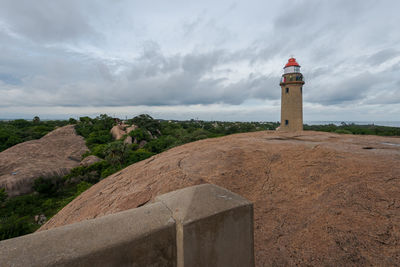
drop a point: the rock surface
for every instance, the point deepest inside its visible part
(89, 160)
(320, 199)
(54, 154)
(118, 131)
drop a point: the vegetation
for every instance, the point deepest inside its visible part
(17, 214)
(356, 129)
(18, 131)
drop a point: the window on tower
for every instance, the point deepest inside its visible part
(286, 122)
(287, 90)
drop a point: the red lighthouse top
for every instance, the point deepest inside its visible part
(292, 62)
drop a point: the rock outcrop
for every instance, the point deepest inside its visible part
(320, 199)
(89, 160)
(54, 154)
(118, 131)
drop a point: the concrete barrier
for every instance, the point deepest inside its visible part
(203, 225)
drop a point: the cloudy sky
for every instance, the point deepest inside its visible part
(212, 60)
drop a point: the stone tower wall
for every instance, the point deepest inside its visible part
(292, 106)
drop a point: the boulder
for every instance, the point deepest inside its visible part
(118, 131)
(52, 155)
(40, 219)
(131, 128)
(89, 160)
(142, 143)
(128, 140)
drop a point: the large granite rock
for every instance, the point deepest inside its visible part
(320, 199)
(54, 154)
(118, 131)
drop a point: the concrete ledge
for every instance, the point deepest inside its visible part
(203, 225)
(139, 237)
(214, 226)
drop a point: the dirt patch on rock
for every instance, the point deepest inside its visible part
(319, 198)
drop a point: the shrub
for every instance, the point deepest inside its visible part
(110, 170)
(343, 131)
(140, 134)
(3, 195)
(81, 187)
(138, 155)
(161, 144)
(44, 186)
(14, 226)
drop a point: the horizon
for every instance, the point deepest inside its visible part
(307, 122)
(211, 60)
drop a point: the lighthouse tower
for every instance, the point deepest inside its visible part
(292, 97)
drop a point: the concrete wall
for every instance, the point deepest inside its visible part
(292, 106)
(203, 225)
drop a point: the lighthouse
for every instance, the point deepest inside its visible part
(292, 97)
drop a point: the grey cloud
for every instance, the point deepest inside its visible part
(47, 20)
(80, 53)
(152, 79)
(356, 89)
(382, 56)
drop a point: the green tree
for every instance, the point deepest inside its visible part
(116, 152)
(147, 122)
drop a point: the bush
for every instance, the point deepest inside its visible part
(140, 134)
(81, 187)
(98, 137)
(138, 155)
(100, 150)
(44, 186)
(161, 144)
(3, 195)
(14, 132)
(343, 131)
(14, 226)
(199, 134)
(110, 170)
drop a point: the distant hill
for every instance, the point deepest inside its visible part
(54, 154)
(319, 198)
